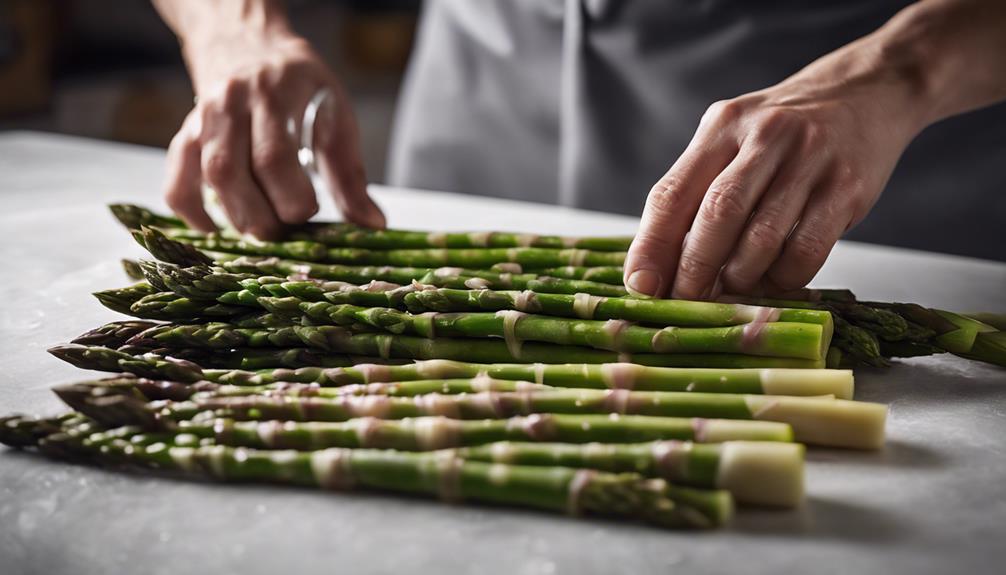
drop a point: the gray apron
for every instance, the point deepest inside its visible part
(585, 103)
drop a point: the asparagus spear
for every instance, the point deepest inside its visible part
(443, 474)
(211, 282)
(584, 306)
(208, 283)
(838, 383)
(349, 235)
(152, 389)
(830, 422)
(754, 472)
(437, 432)
(804, 341)
(216, 336)
(604, 274)
(530, 258)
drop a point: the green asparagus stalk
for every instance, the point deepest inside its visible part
(754, 472)
(604, 274)
(530, 258)
(819, 421)
(211, 284)
(349, 235)
(151, 389)
(803, 341)
(800, 382)
(217, 336)
(445, 475)
(584, 306)
(432, 433)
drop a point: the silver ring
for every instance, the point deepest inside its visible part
(305, 154)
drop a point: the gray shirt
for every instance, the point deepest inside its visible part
(586, 103)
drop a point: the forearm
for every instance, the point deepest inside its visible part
(202, 24)
(952, 51)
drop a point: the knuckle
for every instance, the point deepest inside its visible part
(738, 277)
(272, 155)
(666, 195)
(764, 236)
(723, 202)
(724, 111)
(652, 242)
(809, 248)
(219, 168)
(691, 266)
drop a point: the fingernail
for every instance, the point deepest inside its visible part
(643, 283)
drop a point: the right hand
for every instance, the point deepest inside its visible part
(250, 86)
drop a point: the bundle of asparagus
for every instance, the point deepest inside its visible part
(524, 376)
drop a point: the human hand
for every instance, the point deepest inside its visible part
(772, 179)
(242, 137)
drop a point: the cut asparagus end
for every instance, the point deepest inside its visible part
(720, 430)
(807, 382)
(832, 422)
(762, 473)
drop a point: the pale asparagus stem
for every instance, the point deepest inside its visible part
(806, 382)
(349, 235)
(819, 421)
(442, 474)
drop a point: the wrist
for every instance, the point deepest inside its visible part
(905, 51)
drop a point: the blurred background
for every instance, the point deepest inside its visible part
(111, 69)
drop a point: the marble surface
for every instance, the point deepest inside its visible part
(933, 501)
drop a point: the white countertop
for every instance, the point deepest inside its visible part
(934, 501)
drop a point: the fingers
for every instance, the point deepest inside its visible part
(339, 162)
(275, 166)
(226, 166)
(182, 185)
(823, 222)
(762, 240)
(724, 211)
(670, 207)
